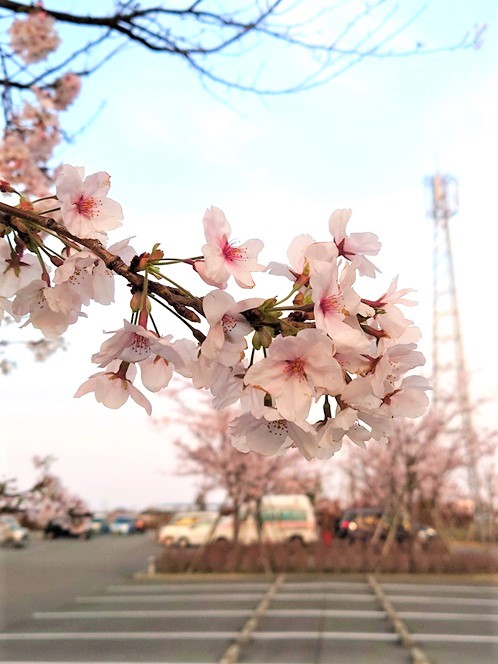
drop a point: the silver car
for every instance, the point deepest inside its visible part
(12, 533)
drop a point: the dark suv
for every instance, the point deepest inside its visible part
(363, 523)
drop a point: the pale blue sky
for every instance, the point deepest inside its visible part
(277, 167)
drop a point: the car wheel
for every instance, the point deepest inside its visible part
(183, 543)
(167, 541)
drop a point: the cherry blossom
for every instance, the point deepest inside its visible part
(271, 434)
(326, 365)
(155, 373)
(225, 340)
(392, 365)
(297, 370)
(409, 400)
(356, 246)
(336, 305)
(112, 388)
(86, 210)
(134, 343)
(61, 94)
(224, 258)
(298, 265)
(51, 310)
(16, 270)
(34, 37)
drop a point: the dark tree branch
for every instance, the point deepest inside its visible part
(203, 34)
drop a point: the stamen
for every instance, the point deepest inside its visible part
(295, 367)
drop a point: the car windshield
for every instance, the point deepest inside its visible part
(123, 519)
(190, 520)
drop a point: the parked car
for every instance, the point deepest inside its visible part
(284, 518)
(12, 533)
(75, 525)
(188, 528)
(140, 526)
(123, 525)
(100, 526)
(363, 523)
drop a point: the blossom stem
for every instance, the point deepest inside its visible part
(142, 320)
(45, 276)
(43, 229)
(174, 283)
(286, 297)
(170, 261)
(51, 210)
(196, 333)
(44, 198)
(154, 325)
(50, 252)
(326, 408)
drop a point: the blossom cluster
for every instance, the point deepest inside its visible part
(34, 37)
(317, 366)
(32, 130)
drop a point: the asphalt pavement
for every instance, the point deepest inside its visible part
(78, 601)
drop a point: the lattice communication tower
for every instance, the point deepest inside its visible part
(449, 372)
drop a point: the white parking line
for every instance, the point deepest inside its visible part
(454, 638)
(110, 599)
(261, 636)
(169, 636)
(110, 636)
(441, 587)
(195, 587)
(357, 597)
(192, 613)
(187, 587)
(458, 601)
(319, 635)
(422, 615)
(238, 597)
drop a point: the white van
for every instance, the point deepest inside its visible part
(284, 518)
(287, 518)
(188, 528)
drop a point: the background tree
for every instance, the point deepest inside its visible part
(205, 450)
(418, 473)
(46, 500)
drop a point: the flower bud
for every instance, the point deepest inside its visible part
(266, 336)
(136, 301)
(55, 260)
(256, 340)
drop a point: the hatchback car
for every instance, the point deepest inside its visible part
(123, 525)
(363, 523)
(12, 533)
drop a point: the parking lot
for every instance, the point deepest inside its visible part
(303, 619)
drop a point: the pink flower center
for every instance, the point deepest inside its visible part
(141, 346)
(232, 253)
(228, 323)
(295, 367)
(278, 428)
(86, 206)
(331, 304)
